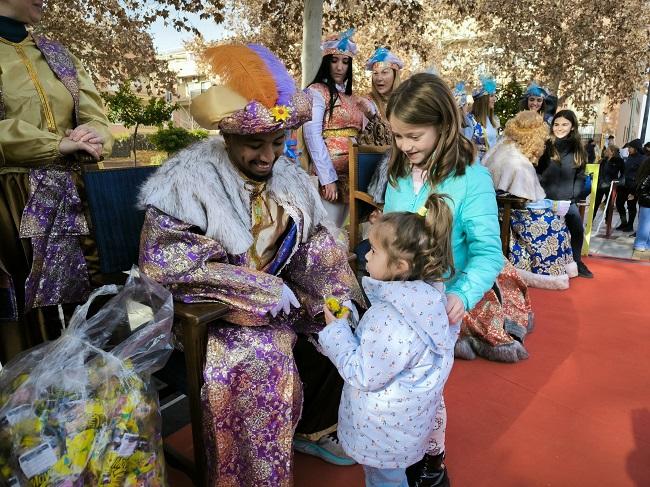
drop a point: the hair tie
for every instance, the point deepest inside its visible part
(422, 211)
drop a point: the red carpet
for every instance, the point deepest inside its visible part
(576, 413)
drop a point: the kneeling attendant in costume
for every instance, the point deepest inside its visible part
(540, 248)
(397, 361)
(230, 219)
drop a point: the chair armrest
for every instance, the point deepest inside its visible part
(199, 313)
(194, 319)
(366, 198)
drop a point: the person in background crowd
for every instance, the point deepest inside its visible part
(646, 149)
(642, 240)
(535, 99)
(385, 67)
(485, 125)
(612, 169)
(590, 148)
(51, 120)
(562, 175)
(336, 116)
(608, 140)
(460, 95)
(626, 194)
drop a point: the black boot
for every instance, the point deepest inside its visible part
(428, 472)
(622, 225)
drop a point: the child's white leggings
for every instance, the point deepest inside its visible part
(437, 440)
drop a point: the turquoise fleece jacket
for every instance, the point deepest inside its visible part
(475, 234)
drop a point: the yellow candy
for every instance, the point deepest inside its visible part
(335, 307)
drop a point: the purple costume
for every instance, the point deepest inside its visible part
(201, 239)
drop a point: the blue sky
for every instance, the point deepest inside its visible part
(167, 39)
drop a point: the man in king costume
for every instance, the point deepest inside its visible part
(230, 219)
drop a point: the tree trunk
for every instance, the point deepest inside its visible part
(312, 25)
(135, 141)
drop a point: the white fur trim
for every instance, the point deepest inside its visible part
(572, 269)
(512, 172)
(544, 281)
(200, 186)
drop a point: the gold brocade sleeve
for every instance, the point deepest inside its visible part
(91, 107)
(24, 133)
(22, 142)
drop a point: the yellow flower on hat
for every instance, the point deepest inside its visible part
(280, 112)
(422, 211)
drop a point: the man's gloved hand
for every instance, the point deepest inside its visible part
(287, 300)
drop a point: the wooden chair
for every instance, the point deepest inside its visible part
(506, 204)
(117, 223)
(362, 165)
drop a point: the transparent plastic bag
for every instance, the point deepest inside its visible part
(81, 410)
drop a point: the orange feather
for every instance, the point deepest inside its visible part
(242, 70)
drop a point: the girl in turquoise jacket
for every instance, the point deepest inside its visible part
(431, 154)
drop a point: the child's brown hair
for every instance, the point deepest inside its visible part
(425, 99)
(424, 242)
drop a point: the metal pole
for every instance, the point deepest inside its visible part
(644, 126)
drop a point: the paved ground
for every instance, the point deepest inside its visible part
(618, 245)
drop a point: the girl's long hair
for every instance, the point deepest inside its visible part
(574, 141)
(424, 242)
(425, 99)
(382, 100)
(323, 76)
(482, 111)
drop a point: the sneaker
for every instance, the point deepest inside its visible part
(583, 271)
(328, 448)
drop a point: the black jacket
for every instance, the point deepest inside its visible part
(611, 169)
(643, 189)
(632, 165)
(563, 181)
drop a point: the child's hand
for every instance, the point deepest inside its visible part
(329, 316)
(334, 311)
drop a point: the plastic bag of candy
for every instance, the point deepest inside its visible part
(81, 410)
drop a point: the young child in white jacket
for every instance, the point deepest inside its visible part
(396, 363)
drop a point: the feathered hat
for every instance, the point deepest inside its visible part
(460, 94)
(256, 95)
(341, 44)
(385, 59)
(535, 90)
(488, 86)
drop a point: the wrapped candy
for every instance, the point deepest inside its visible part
(81, 411)
(336, 307)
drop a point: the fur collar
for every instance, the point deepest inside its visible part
(200, 186)
(512, 172)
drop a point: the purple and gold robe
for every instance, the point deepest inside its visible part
(252, 394)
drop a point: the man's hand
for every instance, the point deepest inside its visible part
(329, 192)
(329, 316)
(455, 309)
(287, 300)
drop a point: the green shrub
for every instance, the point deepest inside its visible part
(172, 139)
